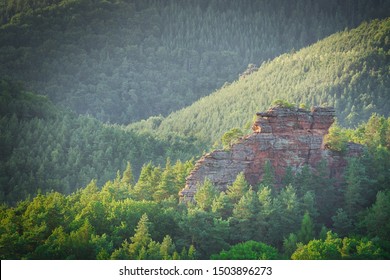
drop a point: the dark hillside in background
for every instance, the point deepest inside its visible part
(348, 70)
(122, 61)
(81, 179)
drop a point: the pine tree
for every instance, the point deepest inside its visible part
(192, 253)
(89, 193)
(342, 223)
(304, 181)
(167, 248)
(250, 250)
(222, 206)
(144, 188)
(306, 233)
(285, 215)
(309, 204)
(237, 189)
(127, 177)
(153, 252)
(167, 185)
(206, 232)
(269, 176)
(205, 195)
(265, 199)
(288, 178)
(290, 244)
(356, 180)
(326, 194)
(247, 223)
(141, 238)
(378, 216)
(81, 248)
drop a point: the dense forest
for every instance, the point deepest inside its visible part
(310, 217)
(348, 70)
(105, 105)
(126, 60)
(45, 148)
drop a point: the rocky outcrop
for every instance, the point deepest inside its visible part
(284, 137)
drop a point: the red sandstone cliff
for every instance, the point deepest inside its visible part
(284, 137)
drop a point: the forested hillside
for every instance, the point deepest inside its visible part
(310, 217)
(81, 179)
(126, 60)
(348, 70)
(43, 147)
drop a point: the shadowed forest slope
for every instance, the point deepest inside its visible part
(348, 70)
(125, 60)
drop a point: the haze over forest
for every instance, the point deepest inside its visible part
(105, 106)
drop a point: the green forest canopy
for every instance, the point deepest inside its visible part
(49, 148)
(43, 147)
(348, 70)
(311, 217)
(126, 60)
(119, 61)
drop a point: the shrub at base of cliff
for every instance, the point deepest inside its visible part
(250, 250)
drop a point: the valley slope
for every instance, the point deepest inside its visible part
(126, 60)
(348, 70)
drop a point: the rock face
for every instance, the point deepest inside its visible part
(284, 137)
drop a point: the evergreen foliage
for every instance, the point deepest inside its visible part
(57, 150)
(127, 60)
(249, 250)
(231, 137)
(335, 248)
(72, 187)
(348, 70)
(121, 221)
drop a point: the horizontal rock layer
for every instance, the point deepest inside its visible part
(284, 137)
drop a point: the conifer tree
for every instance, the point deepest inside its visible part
(205, 195)
(222, 206)
(167, 248)
(153, 252)
(141, 238)
(269, 176)
(290, 244)
(342, 223)
(167, 185)
(288, 178)
(127, 177)
(326, 194)
(378, 216)
(144, 187)
(356, 180)
(265, 199)
(309, 204)
(237, 189)
(81, 248)
(306, 233)
(192, 253)
(205, 232)
(247, 223)
(304, 181)
(285, 215)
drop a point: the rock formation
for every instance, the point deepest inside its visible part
(284, 137)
